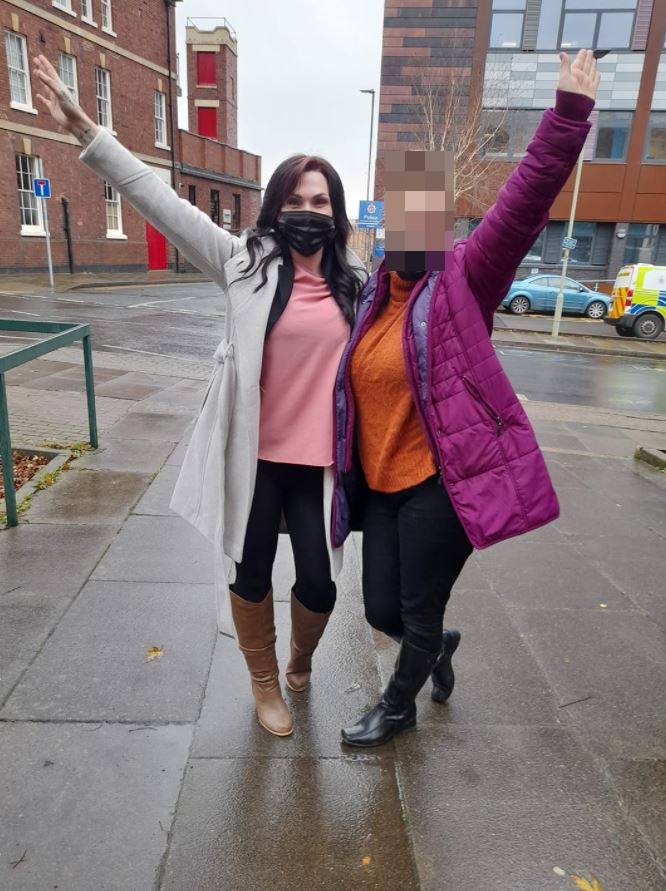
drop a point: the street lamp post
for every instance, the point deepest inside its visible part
(559, 303)
(372, 124)
(369, 239)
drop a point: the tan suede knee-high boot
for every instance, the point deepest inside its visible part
(306, 631)
(255, 628)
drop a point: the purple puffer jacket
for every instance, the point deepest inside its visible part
(481, 438)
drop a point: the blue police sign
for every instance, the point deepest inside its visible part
(370, 214)
(379, 250)
(42, 187)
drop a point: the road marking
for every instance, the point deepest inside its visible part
(159, 302)
(522, 397)
(22, 312)
(149, 353)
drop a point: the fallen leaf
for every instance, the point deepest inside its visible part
(559, 871)
(585, 885)
(366, 861)
(603, 605)
(154, 653)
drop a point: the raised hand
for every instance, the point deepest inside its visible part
(56, 99)
(581, 75)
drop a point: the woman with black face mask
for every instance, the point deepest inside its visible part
(263, 445)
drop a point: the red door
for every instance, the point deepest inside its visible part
(157, 248)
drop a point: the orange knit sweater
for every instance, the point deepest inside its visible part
(393, 449)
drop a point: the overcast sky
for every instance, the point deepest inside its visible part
(301, 64)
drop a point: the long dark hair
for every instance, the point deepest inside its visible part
(344, 283)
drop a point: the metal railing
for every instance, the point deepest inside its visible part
(62, 334)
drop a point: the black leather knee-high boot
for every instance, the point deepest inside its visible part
(443, 677)
(396, 710)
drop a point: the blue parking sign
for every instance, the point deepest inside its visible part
(42, 187)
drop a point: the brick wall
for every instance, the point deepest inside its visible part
(136, 60)
(423, 39)
(221, 45)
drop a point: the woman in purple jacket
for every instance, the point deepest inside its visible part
(444, 444)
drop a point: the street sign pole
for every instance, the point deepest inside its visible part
(45, 211)
(559, 303)
(41, 187)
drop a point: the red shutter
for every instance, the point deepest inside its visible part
(207, 122)
(206, 68)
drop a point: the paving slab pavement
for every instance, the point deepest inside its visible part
(161, 777)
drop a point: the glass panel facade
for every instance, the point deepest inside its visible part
(507, 30)
(656, 139)
(584, 234)
(507, 134)
(615, 30)
(535, 253)
(578, 30)
(613, 135)
(640, 243)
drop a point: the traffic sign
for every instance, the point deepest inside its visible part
(42, 187)
(569, 243)
(370, 214)
(379, 249)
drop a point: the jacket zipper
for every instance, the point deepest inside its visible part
(349, 396)
(346, 382)
(478, 395)
(420, 401)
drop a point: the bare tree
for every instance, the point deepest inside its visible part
(455, 117)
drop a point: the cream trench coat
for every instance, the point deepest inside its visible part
(216, 484)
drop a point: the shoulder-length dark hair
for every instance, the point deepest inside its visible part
(345, 284)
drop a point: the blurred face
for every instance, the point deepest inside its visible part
(418, 210)
(311, 194)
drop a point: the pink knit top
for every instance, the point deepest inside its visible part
(300, 362)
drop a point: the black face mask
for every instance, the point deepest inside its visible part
(410, 276)
(306, 231)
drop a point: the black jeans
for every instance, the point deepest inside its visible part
(414, 548)
(298, 491)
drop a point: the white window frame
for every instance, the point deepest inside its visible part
(103, 79)
(64, 6)
(106, 14)
(73, 87)
(87, 12)
(23, 71)
(34, 172)
(112, 205)
(160, 120)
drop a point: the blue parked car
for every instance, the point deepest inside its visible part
(539, 293)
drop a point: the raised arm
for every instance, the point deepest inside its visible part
(498, 245)
(206, 245)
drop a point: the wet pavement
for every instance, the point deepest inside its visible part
(121, 772)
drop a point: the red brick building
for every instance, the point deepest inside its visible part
(119, 58)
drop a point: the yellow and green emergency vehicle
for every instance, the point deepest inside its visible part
(638, 301)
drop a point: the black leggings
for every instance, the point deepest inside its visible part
(414, 548)
(298, 491)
